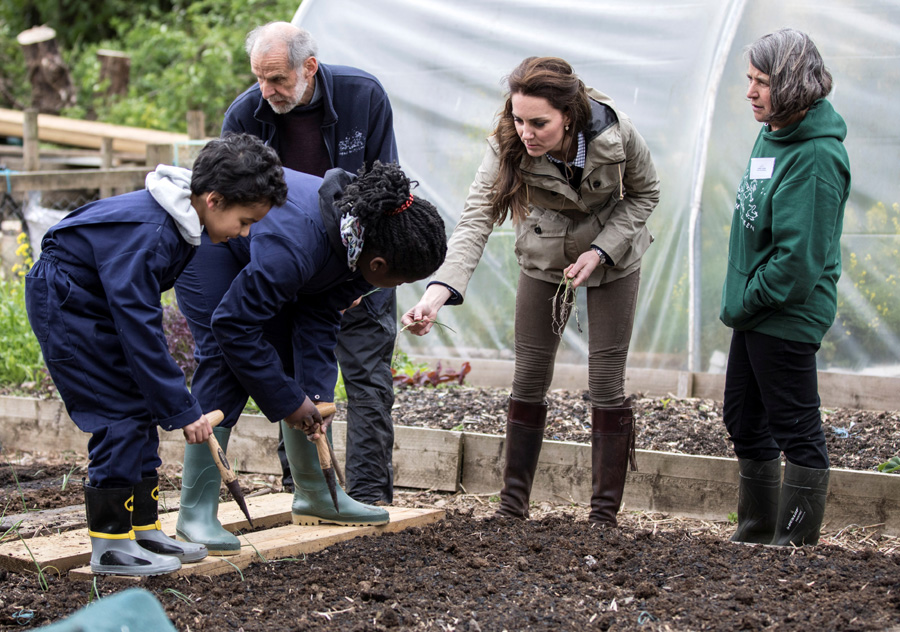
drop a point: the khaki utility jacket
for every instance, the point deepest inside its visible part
(619, 189)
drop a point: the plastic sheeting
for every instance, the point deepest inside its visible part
(677, 69)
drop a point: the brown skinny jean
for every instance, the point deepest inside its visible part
(610, 308)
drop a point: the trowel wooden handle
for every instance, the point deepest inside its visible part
(326, 408)
(215, 417)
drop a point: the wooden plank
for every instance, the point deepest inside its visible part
(65, 179)
(425, 458)
(79, 133)
(293, 541)
(709, 386)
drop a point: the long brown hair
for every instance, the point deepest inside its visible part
(553, 79)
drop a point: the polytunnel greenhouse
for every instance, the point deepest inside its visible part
(678, 70)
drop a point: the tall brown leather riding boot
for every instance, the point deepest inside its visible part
(524, 435)
(612, 446)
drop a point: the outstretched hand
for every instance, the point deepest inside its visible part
(421, 318)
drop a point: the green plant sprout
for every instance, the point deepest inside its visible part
(19, 488)
(42, 578)
(235, 566)
(425, 320)
(179, 595)
(732, 518)
(67, 476)
(94, 592)
(255, 550)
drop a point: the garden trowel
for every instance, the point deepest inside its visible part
(228, 476)
(327, 460)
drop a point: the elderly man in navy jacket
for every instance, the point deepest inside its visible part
(319, 116)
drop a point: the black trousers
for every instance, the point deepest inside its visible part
(364, 351)
(772, 400)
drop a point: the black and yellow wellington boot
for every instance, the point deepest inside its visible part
(198, 519)
(148, 530)
(114, 550)
(312, 501)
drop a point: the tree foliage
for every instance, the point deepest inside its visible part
(184, 54)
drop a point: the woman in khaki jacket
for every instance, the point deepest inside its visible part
(578, 182)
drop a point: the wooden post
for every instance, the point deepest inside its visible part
(196, 124)
(51, 85)
(159, 155)
(116, 67)
(106, 162)
(30, 149)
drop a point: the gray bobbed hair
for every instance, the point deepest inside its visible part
(797, 75)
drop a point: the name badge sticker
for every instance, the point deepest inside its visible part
(761, 168)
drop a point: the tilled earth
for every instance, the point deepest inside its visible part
(555, 572)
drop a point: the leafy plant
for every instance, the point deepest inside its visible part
(891, 466)
(426, 377)
(21, 360)
(732, 518)
(181, 342)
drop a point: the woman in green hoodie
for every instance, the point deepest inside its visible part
(780, 294)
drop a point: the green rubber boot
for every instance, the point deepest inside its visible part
(312, 501)
(197, 518)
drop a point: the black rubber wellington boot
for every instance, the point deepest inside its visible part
(801, 507)
(114, 550)
(760, 487)
(148, 530)
(525, 424)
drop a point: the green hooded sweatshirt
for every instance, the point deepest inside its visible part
(784, 255)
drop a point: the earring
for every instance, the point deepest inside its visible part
(567, 128)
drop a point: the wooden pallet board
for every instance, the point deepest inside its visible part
(291, 541)
(61, 552)
(70, 551)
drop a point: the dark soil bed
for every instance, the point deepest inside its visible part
(555, 572)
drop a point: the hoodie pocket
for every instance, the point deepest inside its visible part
(733, 311)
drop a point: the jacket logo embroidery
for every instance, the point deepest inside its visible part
(354, 142)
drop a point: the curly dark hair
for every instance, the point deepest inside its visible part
(242, 169)
(411, 240)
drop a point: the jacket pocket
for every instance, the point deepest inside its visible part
(541, 241)
(36, 307)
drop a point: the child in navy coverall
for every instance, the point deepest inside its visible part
(93, 300)
(265, 312)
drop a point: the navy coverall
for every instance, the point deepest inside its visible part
(93, 300)
(265, 310)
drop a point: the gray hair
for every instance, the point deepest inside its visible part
(797, 75)
(300, 44)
